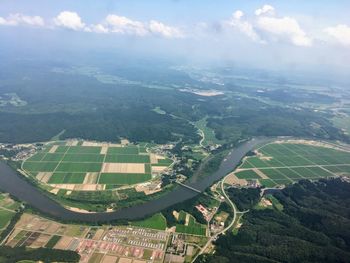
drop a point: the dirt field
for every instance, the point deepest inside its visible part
(72, 143)
(44, 177)
(90, 178)
(110, 259)
(158, 169)
(98, 234)
(123, 168)
(63, 243)
(104, 149)
(233, 180)
(124, 260)
(53, 149)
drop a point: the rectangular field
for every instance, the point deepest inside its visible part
(79, 167)
(83, 158)
(67, 178)
(76, 162)
(127, 158)
(40, 166)
(284, 163)
(115, 178)
(123, 150)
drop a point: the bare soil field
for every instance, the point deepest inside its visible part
(123, 168)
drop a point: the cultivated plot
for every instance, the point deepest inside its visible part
(285, 162)
(75, 164)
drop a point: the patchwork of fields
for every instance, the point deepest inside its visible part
(72, 165)
(286, 162)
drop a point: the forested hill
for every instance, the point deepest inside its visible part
(314, 226)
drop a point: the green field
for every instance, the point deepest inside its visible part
(79, 167)
(122, 179)
(192, 227)
(209, 134)
(70, 164)
(285, 163)
(157, 221)
(67, 178)
(123, 150)
(5, 217)
(127, 158)
(53, 241)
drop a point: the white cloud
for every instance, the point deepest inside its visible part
(265, 10)
(20, 19)
(285, 27)
(238, 15)
(99, 28)
(70, 20)
(161, 29)
(124, 25)
(243, 26)
(341, 33)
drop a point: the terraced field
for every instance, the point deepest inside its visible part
(93, 166)
(286, 162)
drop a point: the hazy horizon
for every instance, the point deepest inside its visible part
(313, 36)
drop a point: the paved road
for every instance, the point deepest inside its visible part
(212, 238)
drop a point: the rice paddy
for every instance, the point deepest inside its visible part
(282, 163)
(92, 163)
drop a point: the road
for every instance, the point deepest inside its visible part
(214, 237)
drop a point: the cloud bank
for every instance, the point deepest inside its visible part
(266, 26)
(20, 19)
(262, 26)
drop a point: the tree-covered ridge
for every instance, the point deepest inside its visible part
(313, 227)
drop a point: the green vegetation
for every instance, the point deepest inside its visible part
(244, 198)
(5, 217)
(127, 158)
(157, 221)
(40, 166)
(286, 163)
(79, 167)
(208, 133)
(53, 241)
(12, 255)
(121, 179)
(81, 158)
(275, 203)
(308, 229)
(123, 150)
(67, 178)
(84, 150)
(192, 227)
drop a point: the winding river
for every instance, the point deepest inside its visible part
(12, 183)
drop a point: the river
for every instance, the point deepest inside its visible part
(12, 183)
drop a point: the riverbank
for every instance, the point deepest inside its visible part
(15, 185)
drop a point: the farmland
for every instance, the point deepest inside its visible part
(8, 209)
(286, 162)
(157, 221)
(187, 225)
(84, 165)
(94, 244)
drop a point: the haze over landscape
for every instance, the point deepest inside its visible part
(174, 131)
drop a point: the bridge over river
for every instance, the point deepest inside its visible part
(20, 188)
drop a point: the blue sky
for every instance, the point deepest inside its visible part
(261, 33)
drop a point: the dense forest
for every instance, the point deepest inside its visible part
(114, 99)
(12, 255)
(312, 227)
